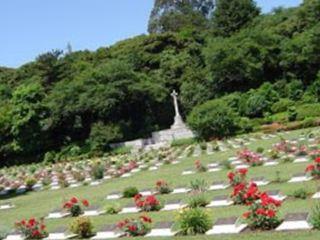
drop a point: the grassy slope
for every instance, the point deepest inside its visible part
(41, 203)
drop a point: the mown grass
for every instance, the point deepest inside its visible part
(39, 204)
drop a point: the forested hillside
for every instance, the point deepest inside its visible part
(235, 69)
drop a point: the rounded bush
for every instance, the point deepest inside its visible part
(194, 221)
(213, 119)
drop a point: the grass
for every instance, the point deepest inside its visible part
(39, 204)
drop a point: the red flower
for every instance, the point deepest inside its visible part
(317, 160)
(23, 222)
(310, 168)
(132, 228)
(85, 202)
(137, 197)
(68, 205)
(260, 211)
(74, 200)
(246, 214)
(146, 219)
(231, 176)
(270, 213)
(32, 222)
(243, 171)
(121, 224)
(42, 227)
(35, 233)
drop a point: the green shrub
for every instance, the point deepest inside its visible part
(30, 182)
(82, 226)
(130, 192)
(292, 114)
(194, 221)
(122, 150)
(198, 185)
(97, 171)
(102, 135)
(300, 193)
(113, 209)
(197, 200)
(282, 105)
(213, 119)
(246, 125)
(260, 150)
(315, 216)
(49, 157)
(182, 142)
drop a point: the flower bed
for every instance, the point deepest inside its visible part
(32, 229)
(314, 169)
(147, 204)
(249, 157)
(135, 227)
(75, 207)
(262, 213)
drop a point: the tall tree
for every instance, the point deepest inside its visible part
(231, 15)
(174, 15)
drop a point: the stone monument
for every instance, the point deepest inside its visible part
(178, 129)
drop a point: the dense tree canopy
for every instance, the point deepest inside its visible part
(254, 65)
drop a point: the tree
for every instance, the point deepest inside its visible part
(232, 15)
(213, 119)
(172, 15)
(50, 67)
(28, 115)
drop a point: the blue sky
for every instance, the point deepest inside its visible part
(31, 27)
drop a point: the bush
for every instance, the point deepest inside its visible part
(49, 157)
(163, 187)
(300, 193)
(113, 209)
(315, 216)
(198, 185)
(197, 200)
(135, 227)
(82, 226)
(194, 221)
(102, 135)
(130, 192)
(246, 125)
(282, 105)
(292, 114)
(260, 150)
(97, 171)
(30, 182)
(182, 142)
(213, 119)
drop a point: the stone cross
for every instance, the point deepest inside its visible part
(174, 95)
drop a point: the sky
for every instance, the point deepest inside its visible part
(32, 27)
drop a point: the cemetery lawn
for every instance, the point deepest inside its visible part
(39, 204)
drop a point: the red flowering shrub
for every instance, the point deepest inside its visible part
(147, 204)
(32, 229)
(243, 192)
(314, 169)
(285, 147)
(237, 177)
(199, 166)
(74, 206)
(252, 158)
(262, 214)
(163, 187)
(135, 227)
